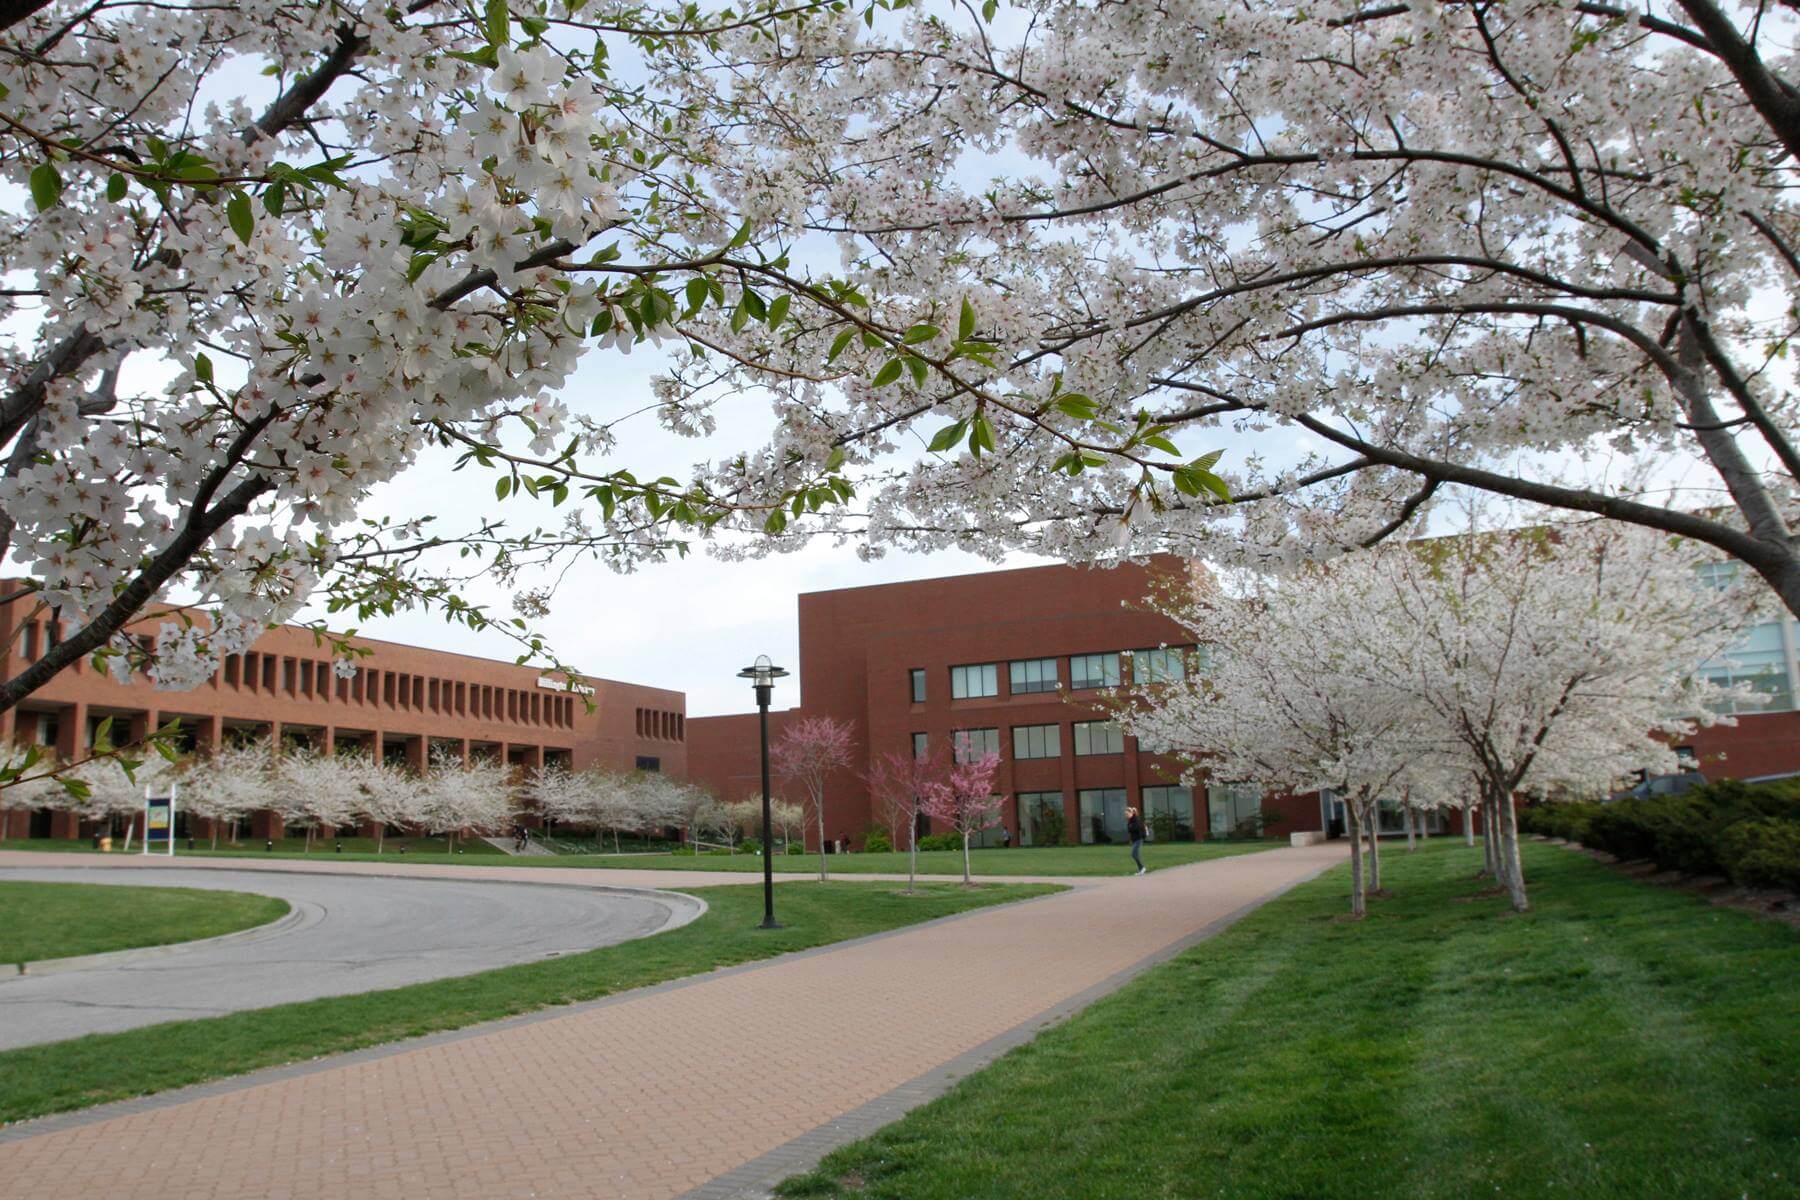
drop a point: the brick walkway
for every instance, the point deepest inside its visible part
(656, 1093)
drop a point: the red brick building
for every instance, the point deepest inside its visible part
(1005, 658)
(409, 702)
(1002, 659)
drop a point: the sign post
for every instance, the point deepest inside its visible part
(159, 822)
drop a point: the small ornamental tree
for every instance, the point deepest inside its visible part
(382, 795)
(318, 789)
(966, 800)
(454, 798)
(808, 752)
(902, 786)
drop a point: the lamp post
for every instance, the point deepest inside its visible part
(763, 674)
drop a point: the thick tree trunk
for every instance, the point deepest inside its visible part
(1468, 815)
(1515, 869)
(1490, 842)
(1358, 901)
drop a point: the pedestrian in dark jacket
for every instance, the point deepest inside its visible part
(1134, 829)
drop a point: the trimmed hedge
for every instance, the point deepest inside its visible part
(941, 841)
(876, 842)
(1749, 832)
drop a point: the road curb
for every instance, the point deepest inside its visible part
(296, 914)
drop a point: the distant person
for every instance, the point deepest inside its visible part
(1005, 838)
(1134, 829)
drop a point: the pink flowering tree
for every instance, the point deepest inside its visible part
(806, 754)
(902, 787)
(966, 800)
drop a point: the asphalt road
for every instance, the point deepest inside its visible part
(346, 934)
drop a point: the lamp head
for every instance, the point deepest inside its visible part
(762, 671)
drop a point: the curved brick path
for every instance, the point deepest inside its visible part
(705, 1087)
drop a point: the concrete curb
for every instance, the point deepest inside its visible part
(297, 916)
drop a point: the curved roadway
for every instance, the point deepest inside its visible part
(345, 934)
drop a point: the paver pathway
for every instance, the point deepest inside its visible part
(656, 1093)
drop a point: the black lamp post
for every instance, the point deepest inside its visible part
(764, 674)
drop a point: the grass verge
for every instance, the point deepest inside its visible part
(61, 920)
(59, 1076)
(1620, 1040)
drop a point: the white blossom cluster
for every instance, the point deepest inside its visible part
(1560, 657)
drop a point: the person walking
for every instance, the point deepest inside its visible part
(1134, 829)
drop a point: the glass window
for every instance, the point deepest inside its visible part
(1033, 675)
(1098, 737)
(31, 642)
(1759, 659)
(1036, 741)
(1094, 670)
(1234, 809)
(968, 683)
(973, 745)
(1041, 819)
(1169, 812)
(920, 745)
(1162, 665)
(1102, 815)
(918, 684)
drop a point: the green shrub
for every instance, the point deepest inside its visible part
(876, 842)
(1762, 852)
(1692, 832)
(1620, 828)
(1560, 819)
(941, 841)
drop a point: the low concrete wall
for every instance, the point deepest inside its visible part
(1307, 837)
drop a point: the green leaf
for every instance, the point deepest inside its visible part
(981, 436)
(918, 369)
(777, 521)
(1159, 442)
(948, 436)
(116, 187)
(46, 186)
(841, 344)
(1207, 462)
(242, 218)
(965, 328)
(888, 373)
(1076, 405)
(920, 333)
(697, 291)
(778, 311)
(498, 23)
(502, 486)
(203, 368)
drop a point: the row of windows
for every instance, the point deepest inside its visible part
(1168, 812)
(1030, 741)
(656, 723)
(975, 681)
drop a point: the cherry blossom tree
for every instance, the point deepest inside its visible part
(1286, 698)
(265, 255)
(227, 785)
(318, 790)
(1384, 247)
(379, 794)
(966, 801)
(453, 798)
(808, 753)
(1554, 657)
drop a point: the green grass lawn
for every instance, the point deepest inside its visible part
(82, 1071)
(59, 920)
(1621, 1040)
(287, 847)
(991, 864)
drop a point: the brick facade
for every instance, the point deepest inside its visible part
(407, 700)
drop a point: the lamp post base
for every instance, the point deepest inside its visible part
(771, 923)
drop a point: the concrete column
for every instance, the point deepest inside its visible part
(328, 741)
